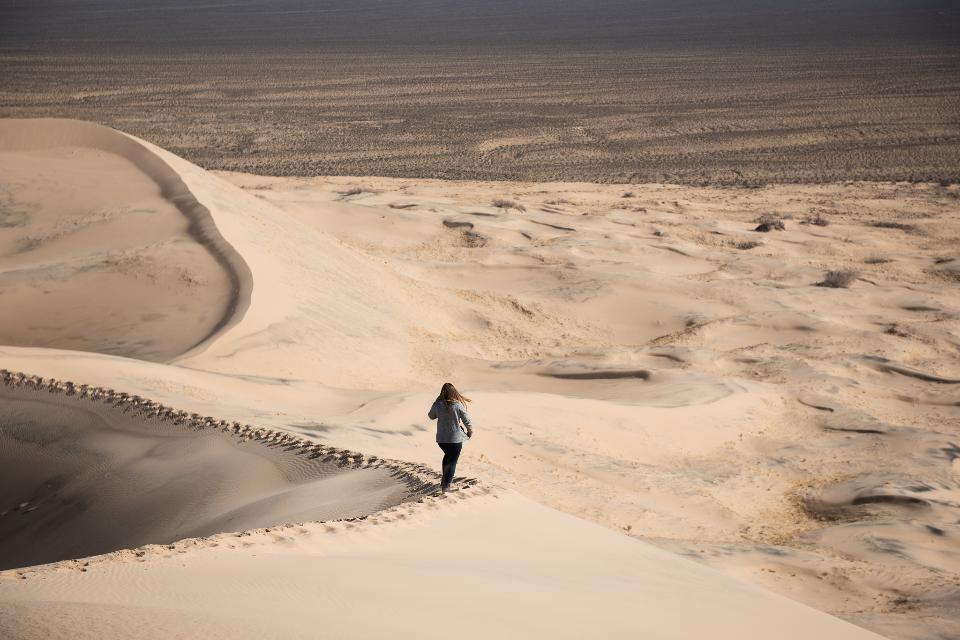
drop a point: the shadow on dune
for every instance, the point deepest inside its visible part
(88, 471)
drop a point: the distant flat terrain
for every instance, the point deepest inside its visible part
(618, 116)
(741, 92)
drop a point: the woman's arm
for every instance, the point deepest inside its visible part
(433, 412)
(465, 418)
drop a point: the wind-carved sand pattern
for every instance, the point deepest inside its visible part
(99, 230)
(88, 470)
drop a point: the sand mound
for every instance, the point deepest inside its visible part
(89, 471)
(97, 231)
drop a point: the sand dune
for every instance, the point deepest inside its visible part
(646, 361)
(100, 233)
(88, 471)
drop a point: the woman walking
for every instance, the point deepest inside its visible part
(449, 410)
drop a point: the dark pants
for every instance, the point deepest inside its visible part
(451, 453)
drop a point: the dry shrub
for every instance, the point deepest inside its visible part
(506, 205)
(894, 330)
(838, 279)
(770, 223)
(745, 245)
(817, 220)
(473, 240)
(877, 260)
(352, 191)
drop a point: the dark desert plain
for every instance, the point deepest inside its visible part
(696, 92)
(696, 263)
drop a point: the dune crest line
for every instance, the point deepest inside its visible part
(182, 485)
(418, 473)
(43, 133)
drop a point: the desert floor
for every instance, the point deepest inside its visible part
(673, 419)
(720, 114)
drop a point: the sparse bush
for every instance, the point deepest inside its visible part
(627, 194)
(817, 220)
(877, 260)
(658, 233)
(838, 279)
(894, 330)
(945, 182)
(745, 245)
(473, 240)
(909, 228)
(769, 223)
(506, 205)
(352, 191)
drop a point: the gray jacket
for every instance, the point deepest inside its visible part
(448, 419)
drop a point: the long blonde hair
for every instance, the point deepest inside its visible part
(449, 394)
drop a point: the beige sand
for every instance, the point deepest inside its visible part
(102, 472)
(629, 365)
(102, 248)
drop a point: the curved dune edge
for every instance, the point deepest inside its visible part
(418, 477)
(31, 134)
(470, 488)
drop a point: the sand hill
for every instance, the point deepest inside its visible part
(228, 376)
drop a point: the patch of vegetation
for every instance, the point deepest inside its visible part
(816, 220)
(506, 205)
(770, 223)
(473, 240)
(877, 260)
(352, 191)
(894, 330)
(838, 279)
(745, 245)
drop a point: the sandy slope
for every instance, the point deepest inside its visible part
(488, 565)
(629, 365)
(102, 248)
(94, 474)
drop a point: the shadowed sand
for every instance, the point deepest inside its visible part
(86, 471)
(98, 232)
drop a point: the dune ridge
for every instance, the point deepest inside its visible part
(54, 493)
(44, 133)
